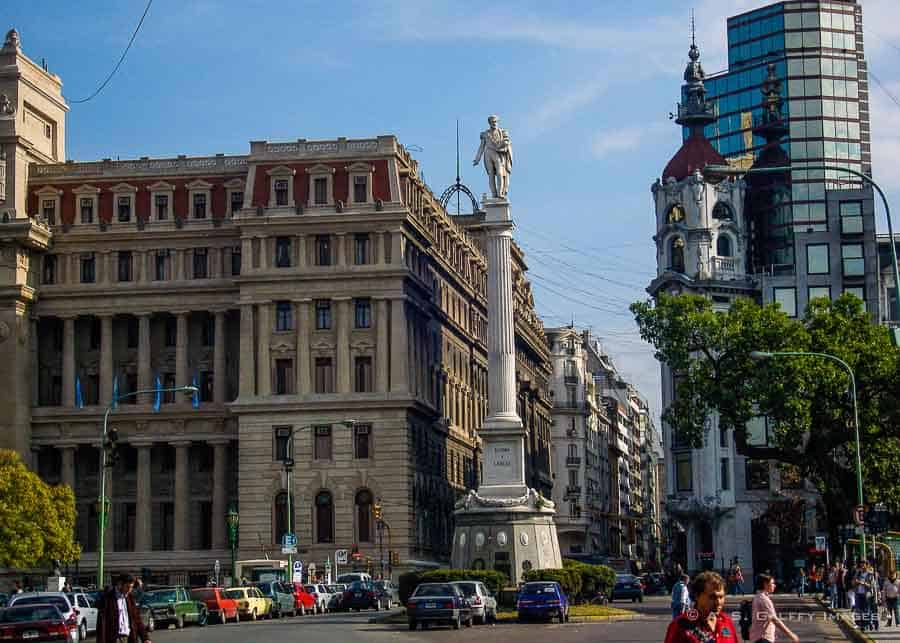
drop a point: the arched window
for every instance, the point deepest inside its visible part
(676, 254)
(280, 514)
(364, 516)
(722, 210)
(324, 517)
(723, 245)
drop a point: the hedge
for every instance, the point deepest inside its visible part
(577, 579)
(408, 582)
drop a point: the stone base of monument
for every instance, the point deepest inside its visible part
(508, 534)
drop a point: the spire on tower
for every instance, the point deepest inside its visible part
(696, 111)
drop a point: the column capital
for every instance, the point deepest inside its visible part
(181, 311)
(220, 442)
(303, 300)
(141, 443)
(143, 313)
(66, 446)
(341, 299)
(180, 444)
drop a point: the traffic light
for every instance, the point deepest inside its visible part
(376, 510)
(112, 453)
(395, 558)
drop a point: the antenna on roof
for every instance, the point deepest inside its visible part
(457, 166)
(693, 29)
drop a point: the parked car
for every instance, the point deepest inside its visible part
(303, 600)
(438, 603)
(542, 600)
(360, 595)
(654, 583)
(87, 613)
(37, 622)
(322, 599)
(349, 577)
(628, 586)
(324, 592)
(282, 598)
(337, 596)
(219, 607)
(250, 601)
(388, 592)
(174, 606)
(4, 598)
(57, 599)
(481, 601)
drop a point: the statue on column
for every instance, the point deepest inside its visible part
(497, 151)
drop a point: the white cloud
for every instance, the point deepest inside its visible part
(623, 139)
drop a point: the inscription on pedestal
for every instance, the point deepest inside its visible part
(502, 457)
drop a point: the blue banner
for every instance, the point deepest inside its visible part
(157, 397)
(195, 397)
(79, 399)
(115, 392)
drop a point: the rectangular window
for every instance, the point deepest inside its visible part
(281, 192)
(360, 189)
(284, 315)
(236, 261)
(362, 374)
(200, 206)
(787, 298)
(131, 332)
(723, 437)
(684, 479)
(237, 202)
(281, 442)
(323, 442)
(757, 472)
(361, 249)
(324, 375)
(323, 250)
(857, 291)
(362, 441)
(852, 260)
(171, 331)
(48, 274)
(88, 274)
(320, 191)
(200, 263)
(817, 260)
(48, 209)
(124, 209)
(208, 334)
(323, 314)
(851, 217)
(725, 473)
(284, 377)
(817, 292)
(162, 207)
(283, 252)
(125, 265)
(206, 386)
(87, 210)
(162, 265)
(363, 313)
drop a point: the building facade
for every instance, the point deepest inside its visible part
(316, 292)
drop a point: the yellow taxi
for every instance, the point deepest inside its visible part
(250, 602)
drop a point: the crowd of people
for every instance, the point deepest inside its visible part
(870, 596)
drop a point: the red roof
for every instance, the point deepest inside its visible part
(695, 153)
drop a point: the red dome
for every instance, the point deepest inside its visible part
(695, 154)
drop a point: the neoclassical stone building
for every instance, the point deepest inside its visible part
(300, 286)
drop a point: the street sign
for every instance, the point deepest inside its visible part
(217, 568)
(298, 572)
(289, 540)
(340, 556)
(820, 543)
(298, 566)
(859, 514)
(289, 549)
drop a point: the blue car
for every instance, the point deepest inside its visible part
(438, 603)
(542, 600)
(628, 586)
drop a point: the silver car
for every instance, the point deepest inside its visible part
(482, 602)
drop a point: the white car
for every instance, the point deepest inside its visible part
(87, 613)
(59, 599)
(483, 603)
(323, 598)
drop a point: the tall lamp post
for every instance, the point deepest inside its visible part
(761, 355)
(108, 441)
(233, 520)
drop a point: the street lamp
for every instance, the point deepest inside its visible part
(761, 355)
(108, 441)
(727, 170)
(233, 520)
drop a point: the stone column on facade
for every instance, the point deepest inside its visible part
(182, 377)
(145, 375)
(182, 495)
(399, 350)
(68, 362)
(303, 357)
(106, 359)
(33, 350)
(220, 459)
(67, 476)
(74, 274)
(378, 250)
(301, 251)
(143, 539)
(263, 253)
(246, 255)
(264, 369)
(219, 379)
(247, 364)
(398, 243)
(215, 262)
(341, 248)
(177, 258)
(381, 346)
(343, 345)
(138, 257)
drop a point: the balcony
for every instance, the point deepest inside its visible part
(573, 490)
(573, 461)
(724, 268)
(570, 378)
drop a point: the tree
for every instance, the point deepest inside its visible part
(805, 400)
(37, 520)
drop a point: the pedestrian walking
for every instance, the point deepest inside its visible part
(801, 583)
(707, 621)
(864, 596)
(681, 599)
(890, 589)
(738, 580)
(850, 586)
(765, 618)
(118, 618)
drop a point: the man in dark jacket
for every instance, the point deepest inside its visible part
(118, 618)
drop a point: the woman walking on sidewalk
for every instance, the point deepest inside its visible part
(801, 583)
(891, 589)
(765, 619)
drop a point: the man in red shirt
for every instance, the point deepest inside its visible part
(705, 622)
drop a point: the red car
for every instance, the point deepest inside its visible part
(220, 607)
(38, 622)
(304, 601)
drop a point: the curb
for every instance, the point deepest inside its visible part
(846, 624)
(612, 618)
(388, 616)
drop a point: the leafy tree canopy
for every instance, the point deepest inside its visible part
(37, 520)
(806, 399)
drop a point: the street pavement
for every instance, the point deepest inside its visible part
(805, 617)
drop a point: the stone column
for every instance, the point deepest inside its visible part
(182, 495)
(247, 364)
(398, 243)
(215, 261)
(220, 453)
(139, 257)
(145, 375)
(303, 361)
(343, 345)
(177, 258)
(182, 377)
(378, 250)
(263, 253)
(68, 465)
(68, 362)
(301, 251)
(381, 346)
(341, 249)
(143, 540)
(219, 359)
(106, 359)
(33, 350)
(246, 255)
(399, 350)
(263, 371)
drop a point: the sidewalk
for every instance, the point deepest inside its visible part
(845, 617)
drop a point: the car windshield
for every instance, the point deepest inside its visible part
(309, 589)
(335, 588)
(434, 590)
(625, 578)
(160, 596)
(359, 586)
(468, 589)
(58, 601)
(234, 593)
(25, 614)
(265, 588)
(204, 594)
(539, 588)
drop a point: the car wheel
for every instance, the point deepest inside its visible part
(82, 631)
(456, 623)
(412, 625)
(562, 617)
(179, 623)
(253, 615)
(302, 610)
(469, 621)
(567, 615)
(151, 623)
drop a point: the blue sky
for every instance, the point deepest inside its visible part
(584, 89)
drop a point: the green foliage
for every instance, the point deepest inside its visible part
(568, 578)
(594, 578)
(408, 582)
(806, 399)
(37, 521)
